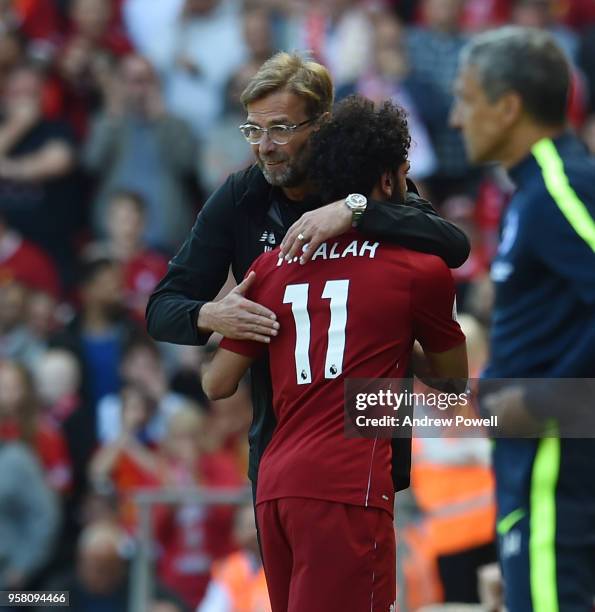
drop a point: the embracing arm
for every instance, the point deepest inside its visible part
(416, 225)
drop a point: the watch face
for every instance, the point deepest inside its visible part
(356, 200)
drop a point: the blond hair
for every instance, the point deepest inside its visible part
(291, 72)
(189, 417)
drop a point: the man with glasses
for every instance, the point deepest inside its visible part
(256, 208)
(325, 500)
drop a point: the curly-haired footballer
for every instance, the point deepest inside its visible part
(357, 145)
(324, 501)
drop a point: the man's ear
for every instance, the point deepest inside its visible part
(320, 121)
(387, 184)
(511, 108)
(324, 117)
(402, 179)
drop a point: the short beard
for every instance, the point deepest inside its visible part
(294, 174)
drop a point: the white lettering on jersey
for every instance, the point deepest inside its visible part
(332, 254)
(350, 250)
(320, 252)
(353, 249)
(366, 246)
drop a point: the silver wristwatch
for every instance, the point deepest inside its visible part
(357, 204)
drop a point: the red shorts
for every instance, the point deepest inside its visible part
(321, 556)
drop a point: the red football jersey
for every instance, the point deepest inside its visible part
(353, 311)
(141, 275)
(25, 263)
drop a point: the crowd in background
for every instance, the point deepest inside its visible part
(117, 119)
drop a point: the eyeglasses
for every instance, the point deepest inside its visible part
(279, 134)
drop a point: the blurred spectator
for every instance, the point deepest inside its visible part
(238, 582)
(542, 14)
(92, 22)
(44, 315)
(99, 332)
(29, 516)
(58, 379)
(479, 15)
(24, 262)
(460, 209)
(12, 53)
(16, 339)
(195, 67)
(30, 287)
(338, 33)
(100, 581)
(577, 14)
(258, 35)
(185, 379)
(151, 26)
(142, 267)
(38, 20)
(433, 52)
(390, 78)
(87, 57)
(128, 463)
(58, 382)
(141, 366)
(98, 507)
(21, 419)
(191, 536)
(229, 421)
(221, 153)
(135, 145)
(38, 191)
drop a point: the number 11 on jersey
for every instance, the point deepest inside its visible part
(297, 295)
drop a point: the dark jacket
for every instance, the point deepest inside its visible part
(245, 216)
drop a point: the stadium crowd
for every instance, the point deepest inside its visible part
(118, 118)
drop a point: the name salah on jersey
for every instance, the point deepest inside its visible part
(355, 248)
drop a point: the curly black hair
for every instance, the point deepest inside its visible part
(352, 150)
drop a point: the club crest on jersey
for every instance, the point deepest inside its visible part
(268, 238)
